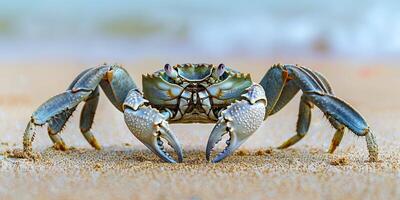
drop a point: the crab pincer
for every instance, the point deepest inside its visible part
(150, 127)
(240, 120)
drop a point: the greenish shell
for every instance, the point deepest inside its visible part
(164, 92)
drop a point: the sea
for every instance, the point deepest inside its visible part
(94, 29)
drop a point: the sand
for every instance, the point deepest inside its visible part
(125, 169)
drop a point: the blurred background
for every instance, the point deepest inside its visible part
(94, 31)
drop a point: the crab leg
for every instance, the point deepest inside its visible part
(344, 114)
(240, 120)
(282, 82)
(303, 123)
(55, 126)
(58, 109)
(48, 113)
(372, 147)
(150, 126)
(116, 83)
(87, 117)
(337, 137)
(57, 123)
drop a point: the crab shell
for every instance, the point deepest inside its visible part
(197, 93)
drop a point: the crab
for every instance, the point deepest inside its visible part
(198, 93)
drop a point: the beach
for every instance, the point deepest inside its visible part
(125, 169)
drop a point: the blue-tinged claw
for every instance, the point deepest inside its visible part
(149, 126)
(240, 121)
(216, 136)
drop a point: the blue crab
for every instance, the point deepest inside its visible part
(198, 93)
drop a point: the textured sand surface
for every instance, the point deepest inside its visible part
(124, 169)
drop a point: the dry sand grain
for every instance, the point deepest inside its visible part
(124, 169)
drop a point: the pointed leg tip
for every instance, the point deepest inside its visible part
(285, 145)
(60, 146)
(95, 144)
(331, 150)
(216, 160)
(89, 136)
(374, 158)
(281, 147)
(23, 154)
(291, 141)
(98, 148)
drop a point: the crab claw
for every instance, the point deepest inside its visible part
(216, 136)
(240, 120)
(149, 126)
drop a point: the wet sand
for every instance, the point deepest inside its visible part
(125, 169)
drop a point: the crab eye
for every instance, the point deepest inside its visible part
(220, 70)
(167, 67)
(170, 71)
